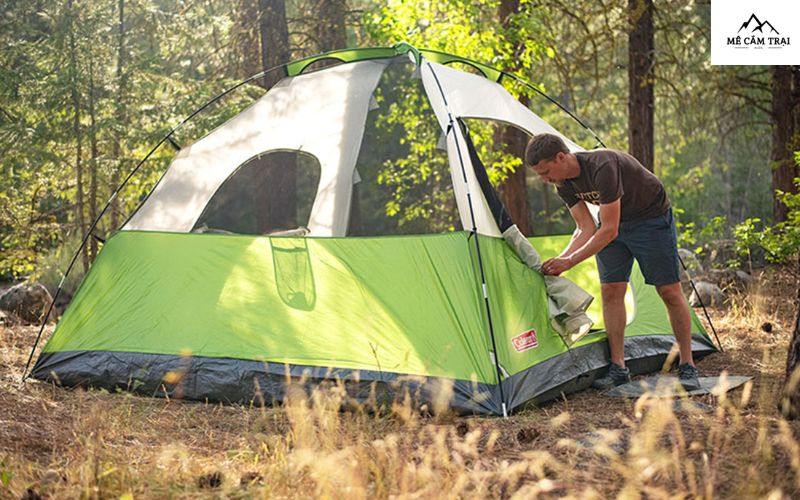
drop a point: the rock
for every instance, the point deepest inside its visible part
(730, 278)
(709, 293)
(592, 440)
(720, 277)
(744, 278)
(690, 260)
(721, 252)
(51, 476)
(26, 301)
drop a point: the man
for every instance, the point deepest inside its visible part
(635, 223)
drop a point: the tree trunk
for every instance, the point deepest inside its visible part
(784, 168)
(790, 402)
(332, 33)
(246, 37)
(120, 116)
(276, 209)
(641, 59)
(274, 35)
(93, 159)
(76, 129)
(331, 25)
(512, 191)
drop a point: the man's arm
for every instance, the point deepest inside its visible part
(584, 228)
(609, 226)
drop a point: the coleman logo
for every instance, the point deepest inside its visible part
(757, 34)
(526, 340)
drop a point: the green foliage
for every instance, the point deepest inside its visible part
(51, 264)
(413, 170)
(173, 61)
(686, 230)
(747, 236)
(781, 241)
(715, 229)
(5, 474)
(711, 145)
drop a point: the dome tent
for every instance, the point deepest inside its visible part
(259, 255)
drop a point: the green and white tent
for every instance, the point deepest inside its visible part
(342, 227)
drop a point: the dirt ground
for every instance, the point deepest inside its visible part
(73, 443)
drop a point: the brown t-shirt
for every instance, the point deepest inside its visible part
(607, 175)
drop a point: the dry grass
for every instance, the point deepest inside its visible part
(94, 444)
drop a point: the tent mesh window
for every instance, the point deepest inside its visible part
(402, 182)
(501, 148)
(269, 193)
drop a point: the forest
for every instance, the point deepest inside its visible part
(89, 87)
(98, 98)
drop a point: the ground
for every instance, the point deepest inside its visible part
(74, 443)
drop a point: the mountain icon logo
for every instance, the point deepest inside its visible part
(758, 25)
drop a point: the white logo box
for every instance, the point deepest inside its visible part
(747, 32)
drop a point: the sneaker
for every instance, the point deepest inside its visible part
(687, 376)
(617, 375)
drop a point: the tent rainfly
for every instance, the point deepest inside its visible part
(343, 227)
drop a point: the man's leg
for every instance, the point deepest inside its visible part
(679, 318)
(615, 317)
(614, 264)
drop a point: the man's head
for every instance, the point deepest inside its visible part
(549, 157)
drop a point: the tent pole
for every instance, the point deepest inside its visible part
(703, 306)
(558, 104)
(167, 137)
(474, 231)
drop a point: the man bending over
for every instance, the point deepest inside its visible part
(635, 223)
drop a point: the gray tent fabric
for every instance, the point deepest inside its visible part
(665, 386)
(567, 301)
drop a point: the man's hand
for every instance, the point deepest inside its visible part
(556, 266)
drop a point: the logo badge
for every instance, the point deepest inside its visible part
(757, 34)
(748, 33)
(526, 340)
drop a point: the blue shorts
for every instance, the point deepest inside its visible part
(654, 245)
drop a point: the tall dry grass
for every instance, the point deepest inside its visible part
(91, 444)
(118, 446)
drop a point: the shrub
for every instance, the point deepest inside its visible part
(781, 241)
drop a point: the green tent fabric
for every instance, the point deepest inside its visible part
(218, 309)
